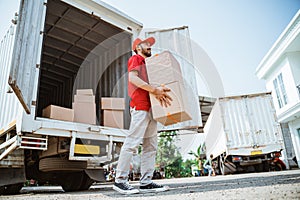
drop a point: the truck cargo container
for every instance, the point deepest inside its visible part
(54, 48)
(243, 134)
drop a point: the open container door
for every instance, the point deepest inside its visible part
(177, 41)
(26, 53)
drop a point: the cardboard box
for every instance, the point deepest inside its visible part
(163, 68)
(84, 98)
(84, 91)
(59, 113)
(113, 118)
(179, 110)
(110, 103)
(85, 112)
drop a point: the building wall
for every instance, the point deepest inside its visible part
(289, 147)
(289, 67)
(294, 127)
(294, 59)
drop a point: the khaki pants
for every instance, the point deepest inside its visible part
(143, 129)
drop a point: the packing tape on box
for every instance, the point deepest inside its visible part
(169, 116)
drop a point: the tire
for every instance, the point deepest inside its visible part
(86, 182)
(11, 189)
(259, 167)
(71, 181)
(75, 181)
(266, 166)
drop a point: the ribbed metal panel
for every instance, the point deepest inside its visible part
(177, 41)
(250, 121)
(9, 104)
(27, 50)
(238, 125)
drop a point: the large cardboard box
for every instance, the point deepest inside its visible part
(111, 103)
(113, 118)
(84, 91)
(163, 68)
(59, 113)
(179, 110)
(84, 112)
(84, 98)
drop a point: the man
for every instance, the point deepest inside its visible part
(208, 165)
(143, 128)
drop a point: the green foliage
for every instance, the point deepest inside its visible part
(169, 157)
(197, 156)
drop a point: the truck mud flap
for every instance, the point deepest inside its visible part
(12, 176)
(96, 174)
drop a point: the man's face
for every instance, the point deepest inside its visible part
(145, 49)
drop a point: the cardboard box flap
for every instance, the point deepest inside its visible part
(84, 91)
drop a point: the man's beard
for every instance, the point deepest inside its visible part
(146, 53)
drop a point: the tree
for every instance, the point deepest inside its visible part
(168, 155)
(197, 156)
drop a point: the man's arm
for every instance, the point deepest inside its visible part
(159, 92)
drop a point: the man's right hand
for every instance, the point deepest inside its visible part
(160, 94)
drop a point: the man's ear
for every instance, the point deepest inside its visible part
(138, 47)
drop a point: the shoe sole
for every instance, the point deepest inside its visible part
(154, 190)
(134, 191)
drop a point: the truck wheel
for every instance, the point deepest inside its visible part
(71, 181)
(266, 166)
(75, 181)
(86, 182)
(11, 189)
(259, 167)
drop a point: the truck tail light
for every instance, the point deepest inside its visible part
(236, 158)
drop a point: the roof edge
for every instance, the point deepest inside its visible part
(278, 47)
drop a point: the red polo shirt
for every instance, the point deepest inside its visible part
(139, 98)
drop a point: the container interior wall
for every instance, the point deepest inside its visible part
(81, 51)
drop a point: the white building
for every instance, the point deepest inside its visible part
(281, 70)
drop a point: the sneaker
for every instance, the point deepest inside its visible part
(153, 187)
(125, 188)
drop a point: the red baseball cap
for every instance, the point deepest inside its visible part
(137, 41)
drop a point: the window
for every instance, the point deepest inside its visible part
(280, 91)
(282, 88)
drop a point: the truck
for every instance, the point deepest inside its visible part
(243, 134)
(53, 48)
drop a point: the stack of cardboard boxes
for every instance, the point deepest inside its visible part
(164, 69)
(84, 106)
(84, 109)
(113, 112)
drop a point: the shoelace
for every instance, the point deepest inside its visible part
(127, 186)
(156, 185)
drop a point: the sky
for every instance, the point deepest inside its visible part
(235, 34)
